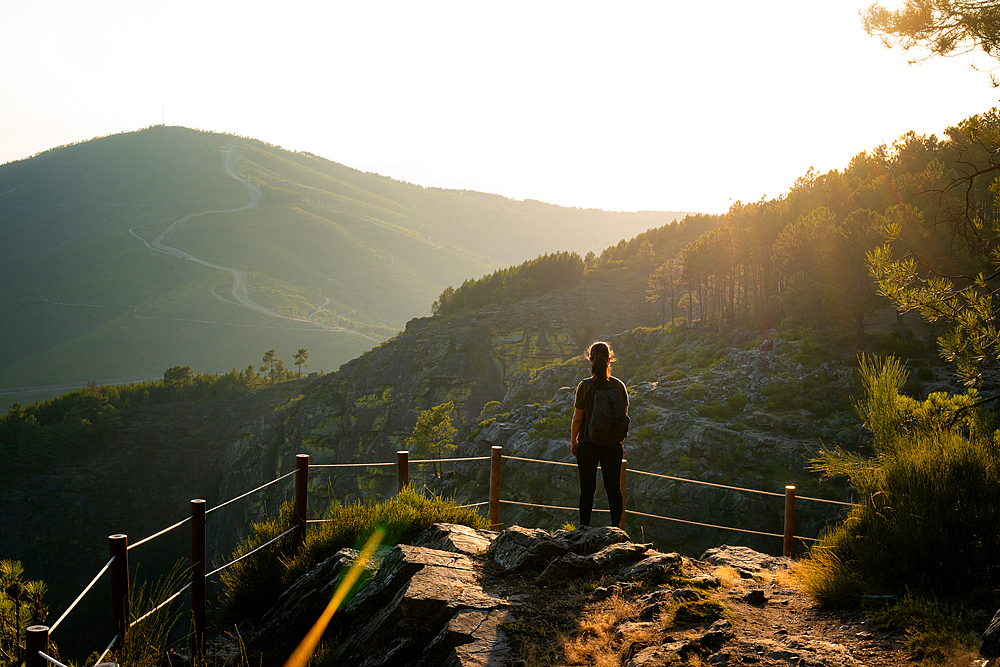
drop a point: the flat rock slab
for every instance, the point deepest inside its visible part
(455, 537)
(422, 600)
(472, 638)
(744, 559)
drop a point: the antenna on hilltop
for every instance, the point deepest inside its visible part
(163, 115)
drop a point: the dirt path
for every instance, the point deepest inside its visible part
(240, 293)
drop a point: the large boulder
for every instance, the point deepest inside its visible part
(422, 607)
(518, 549)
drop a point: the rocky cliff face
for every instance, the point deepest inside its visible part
(363, 412)
(729, 413)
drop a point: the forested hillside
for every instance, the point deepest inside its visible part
(129, 254)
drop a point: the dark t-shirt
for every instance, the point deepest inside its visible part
(585, 400)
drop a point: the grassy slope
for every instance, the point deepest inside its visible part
(350, 248)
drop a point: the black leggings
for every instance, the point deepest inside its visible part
(610, 458)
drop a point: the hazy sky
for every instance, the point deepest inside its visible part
(625, 105)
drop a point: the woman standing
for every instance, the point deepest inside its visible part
(589, 453)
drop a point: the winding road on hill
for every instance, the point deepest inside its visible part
(239, 292)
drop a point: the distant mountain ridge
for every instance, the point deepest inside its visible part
(104, 276)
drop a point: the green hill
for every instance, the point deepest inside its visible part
(128, 254)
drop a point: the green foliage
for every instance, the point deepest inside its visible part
(934, 632)
(505, 286)
(517, 630)
(148, 643)
(553, 426)
(697, 612)
(433, 434)
(254, 584)
(81, 419)
(928, 511)
(300, 359)
(22, 604)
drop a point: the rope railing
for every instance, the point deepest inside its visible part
(732, 488)
(548, 507)
(468, 458)
(711, 525)
(698, 481)
(157, 608)
(349, 465)
(244, 495)
(80, 596)
(106, 651)
(249, 553)
(162, 532)
(555, 463)
(485, 502)
(827, 501)
(402, 464)
(49, 658)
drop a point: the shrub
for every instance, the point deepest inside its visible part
(254, 584)
(934, 633)
(552, 426)
(928, 513)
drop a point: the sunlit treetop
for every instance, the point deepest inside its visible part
(938, 27)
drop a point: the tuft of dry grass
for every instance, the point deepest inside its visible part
(594, 642)
(727, 576)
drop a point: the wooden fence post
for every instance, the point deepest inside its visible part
(495, 487)
(198, 540)
(36, 639)
(621, 521)
(118, 549)
(789, 542)
(403, 468)
(301, 498)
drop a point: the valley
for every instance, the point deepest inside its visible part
(132, 253)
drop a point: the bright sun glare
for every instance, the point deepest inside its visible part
(642, 105)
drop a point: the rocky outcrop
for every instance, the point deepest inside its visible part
(424, 607)
(428, 607)
(715, 421)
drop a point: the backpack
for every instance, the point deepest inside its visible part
(609, 420)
